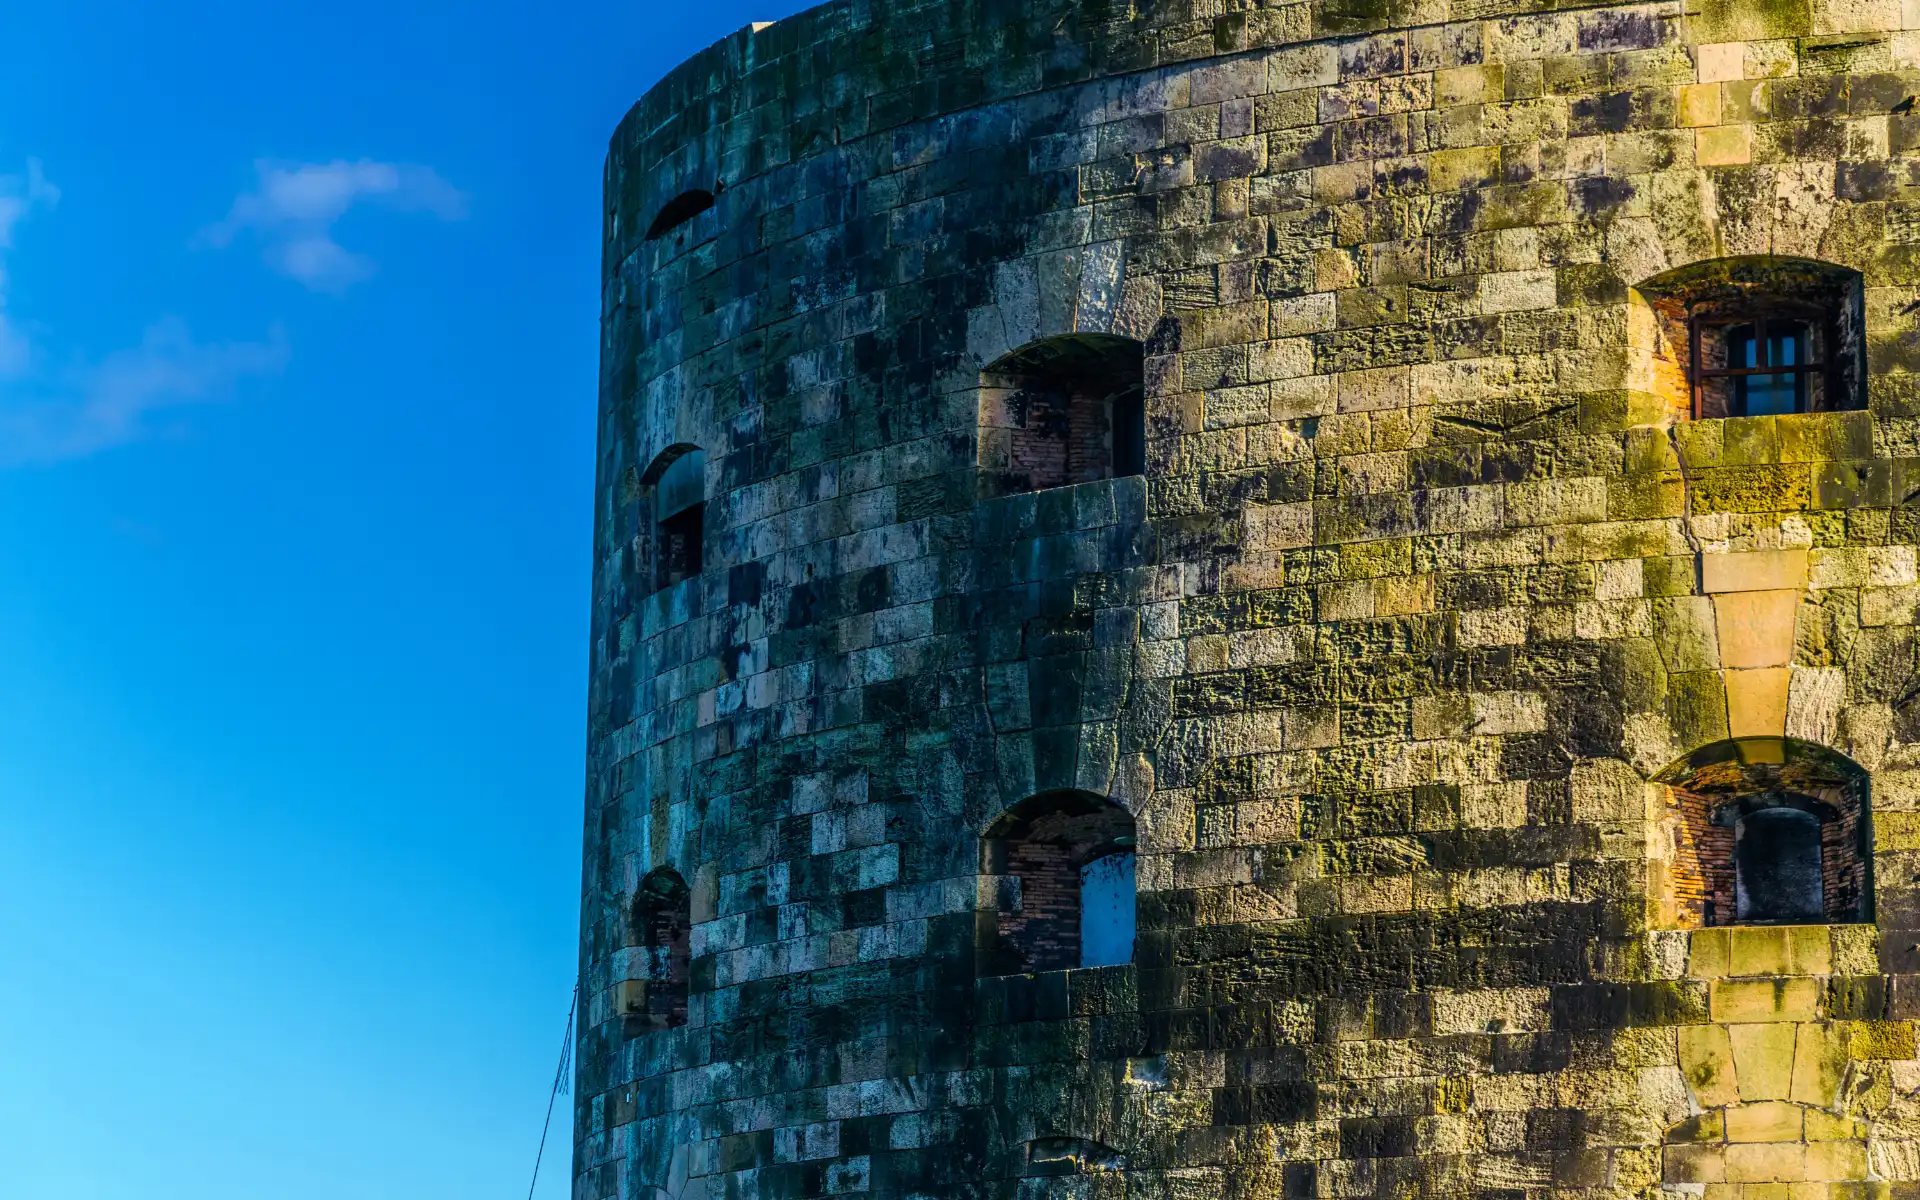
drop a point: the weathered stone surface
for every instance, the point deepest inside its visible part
(1392, 655)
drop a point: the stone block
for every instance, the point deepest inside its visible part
(1823, 1126)
(1711, 953)
(1758, 950)
(1754, 571)
(1723, 146)
(1763, 1060)
(1694, 1164)
(1765, 1121)
(1836, 1160)
(1819, 1062)
(1757, 702)
(1747, 1001)
(1706, 1061)
(1809, 949)
(1766, 1162)
(1686, 631)
(1720, 62)
(1755, 629)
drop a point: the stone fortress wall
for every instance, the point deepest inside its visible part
(1420, 679)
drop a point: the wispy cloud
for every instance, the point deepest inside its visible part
(128, 394)
(20, 195)
(48, 414)
(293, 208)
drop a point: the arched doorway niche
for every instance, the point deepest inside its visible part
(1762, 831)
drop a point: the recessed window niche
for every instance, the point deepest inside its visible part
(1762, 831)
(1063, 410)
(1067, 898)
(1752, 337)
(679, 516)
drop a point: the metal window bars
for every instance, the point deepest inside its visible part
(1813, 329)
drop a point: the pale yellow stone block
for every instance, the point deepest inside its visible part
(1723, 145)
(1766, 1121)
(1809, 1191)
(1757, 702)
(1746, 1001)
(1819, 1061)
(1710, 953)
(1822, 1126)
(1451, 170)
(1720, 62)
(1454, 86)
(1694, 1164)
(1706, 1060)
(1755, 629)
(1836, 1160)
(1809, 949)
(1757, 950)
(1766, 1162)
(1700, 104)
(1763, 1060)
(1754, 571)
(1400, 595)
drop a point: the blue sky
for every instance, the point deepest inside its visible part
(297, 371)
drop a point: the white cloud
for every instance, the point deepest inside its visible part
(295, 206)
(47, 415)
(20, 195)
(125, 396)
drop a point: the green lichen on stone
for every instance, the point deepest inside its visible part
(1411, 659)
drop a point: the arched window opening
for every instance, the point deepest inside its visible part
(660, 926)
(1758, 336)
(680, 210)
(679, 518)
(1067, 894)
(1763, 831)
(1063, 410)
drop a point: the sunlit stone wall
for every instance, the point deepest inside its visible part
(1431, 611)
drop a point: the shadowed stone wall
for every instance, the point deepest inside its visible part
(1430, 605)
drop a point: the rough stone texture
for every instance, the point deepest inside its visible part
(1389, 654)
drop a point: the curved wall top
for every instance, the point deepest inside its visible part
(1435, 659)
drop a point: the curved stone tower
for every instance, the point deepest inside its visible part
(1201, 599)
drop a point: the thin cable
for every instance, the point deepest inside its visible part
(559, 1077)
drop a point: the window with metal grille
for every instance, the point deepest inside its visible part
(1758, 336)
(1768, 365)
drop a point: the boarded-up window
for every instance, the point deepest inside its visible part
(1776, 856)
